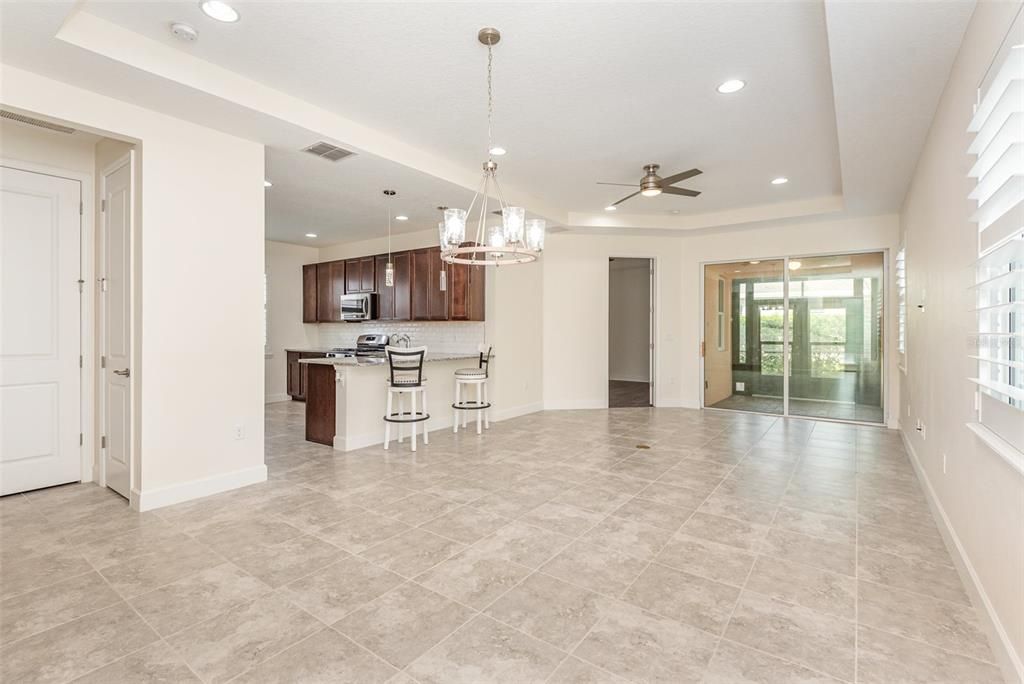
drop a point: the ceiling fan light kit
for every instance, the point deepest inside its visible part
(652, 185)
(516, 240)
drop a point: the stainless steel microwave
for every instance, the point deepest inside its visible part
(359, 307)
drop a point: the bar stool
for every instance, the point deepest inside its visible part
(405, 379)
(469, 377)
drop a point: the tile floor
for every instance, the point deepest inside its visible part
(736, 548)
(625, 394)
(808, 408)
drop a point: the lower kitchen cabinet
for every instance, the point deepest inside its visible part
(298, 373)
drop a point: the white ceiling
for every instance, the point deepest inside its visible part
(584, 92)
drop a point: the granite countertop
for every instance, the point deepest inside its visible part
(380, 361)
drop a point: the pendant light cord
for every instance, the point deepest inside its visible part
(490, 98)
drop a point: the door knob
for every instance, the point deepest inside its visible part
(124, 371)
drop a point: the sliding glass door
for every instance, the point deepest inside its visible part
(796, 336)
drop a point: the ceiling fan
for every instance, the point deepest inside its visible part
(652, 184)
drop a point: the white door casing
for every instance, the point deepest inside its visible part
(40, 330)
(115, 335)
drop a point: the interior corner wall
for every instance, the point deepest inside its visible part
(629, 326)
(979, 494)
(285, 329)
(198, 279)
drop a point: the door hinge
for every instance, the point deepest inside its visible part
(103, 284)
(81, 208)
(81, 439)
(103, 362)
(103, 205)
(81, 284)
(80, 361)
(103, 442)
(702, 349)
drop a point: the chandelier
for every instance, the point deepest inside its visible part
(516, 240)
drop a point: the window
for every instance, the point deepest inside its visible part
(742, 324)
(266, 317)
(721, 314)
(998, 345)
(901, 294)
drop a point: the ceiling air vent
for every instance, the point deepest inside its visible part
(20, 118)
(327, 151)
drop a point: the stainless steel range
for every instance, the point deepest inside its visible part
(370, 345)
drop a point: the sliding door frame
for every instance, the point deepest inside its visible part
(787, 327)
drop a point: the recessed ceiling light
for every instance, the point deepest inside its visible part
(794, 265)
(401, 217)
(781, 180)
(267, 184)
(731, 86)
(311, 235)
(611, 207)
(219, 10)
(498, 151)
(754, 263)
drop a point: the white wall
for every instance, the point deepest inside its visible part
(199, 283)
(74, 152)
(629, 320)
(980, 495)
(285, 329)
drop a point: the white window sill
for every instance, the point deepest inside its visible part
(999, 445)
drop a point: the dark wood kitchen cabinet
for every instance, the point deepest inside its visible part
(429, 301)
(298, 373)
(394, 303)
(309, 309)
(465, 292)
(359, 275)
(330, 285)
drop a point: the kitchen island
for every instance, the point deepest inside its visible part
(346, 397)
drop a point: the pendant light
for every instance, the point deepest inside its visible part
(389, 268)
(516, 240)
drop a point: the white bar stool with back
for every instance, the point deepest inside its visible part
(405, 379)
(470, 377)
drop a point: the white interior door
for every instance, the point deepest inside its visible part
(115, 240)
(40, 330)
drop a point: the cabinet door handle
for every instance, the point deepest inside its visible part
(124, 371)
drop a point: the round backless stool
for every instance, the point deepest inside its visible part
(405, 380)
(466, 378)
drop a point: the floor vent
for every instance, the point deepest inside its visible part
(326, 150)
(21, 118)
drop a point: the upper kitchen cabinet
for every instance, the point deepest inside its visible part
(394, 303)
(359, 275)
(429, 289)
(309, 312)
(330, 285)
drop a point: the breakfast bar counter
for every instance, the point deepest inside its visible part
(346, 397)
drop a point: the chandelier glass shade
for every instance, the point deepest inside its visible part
(516, 240)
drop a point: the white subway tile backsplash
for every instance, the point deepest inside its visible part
(446, 336)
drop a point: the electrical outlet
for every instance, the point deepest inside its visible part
(943, 463)
(920, 428)
(239, 432)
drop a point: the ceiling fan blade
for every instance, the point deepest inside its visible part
(626, 198)
(625, 185)
(680, 177)
(680, 191)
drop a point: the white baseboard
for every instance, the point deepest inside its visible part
(516, 411)
(275, 398)
(575, 404)
(966, 569)
(149, 499)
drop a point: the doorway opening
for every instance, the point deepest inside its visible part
(797, 336)
(630, 332)
(66, 235)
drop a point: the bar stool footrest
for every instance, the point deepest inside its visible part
(471, 406)
(417, 417)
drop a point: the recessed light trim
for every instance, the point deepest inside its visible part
(498, 151)
(401, 217)
(219, 10)
(267, 184)
(733, 85)
(611, 207)
(311, 235)
(781, 180)
(794, 265)
(754, 263)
